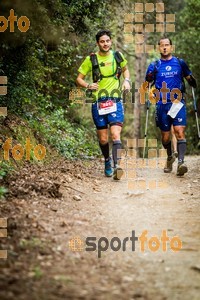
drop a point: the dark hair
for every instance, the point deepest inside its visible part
(101, 33)
(165, 38)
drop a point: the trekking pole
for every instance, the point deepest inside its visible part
(196, 115)
(146, 124)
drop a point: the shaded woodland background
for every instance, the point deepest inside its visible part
(41, 66)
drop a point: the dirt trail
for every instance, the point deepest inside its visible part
(48, 208)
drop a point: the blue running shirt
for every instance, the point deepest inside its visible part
(171, 71)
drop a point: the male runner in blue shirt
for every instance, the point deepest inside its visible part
(167, 74)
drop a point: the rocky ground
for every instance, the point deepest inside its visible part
(52, 210)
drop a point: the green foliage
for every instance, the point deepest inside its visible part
(72, 140)
(3, 191)
(37, 272)
(187, 39)
(42, 65)
(5, 168)
(187, 47)
(33, 242)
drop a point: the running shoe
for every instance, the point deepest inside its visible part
(118, 173)
(175, 154)
(108, 168)
(181, 169)
(169, 163)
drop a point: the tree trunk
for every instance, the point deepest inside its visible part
(140, 66)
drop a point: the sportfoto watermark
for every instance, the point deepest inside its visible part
(23, 23)
(3, 234)
(133, 166)
(3, 92)
(136, 24)
(79, 96)
(18, 152)
(102, 244)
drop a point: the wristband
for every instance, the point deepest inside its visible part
(127, 79)
(87, 87)
(192, 81)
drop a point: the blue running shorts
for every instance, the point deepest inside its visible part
(114, 118)
(164, 121)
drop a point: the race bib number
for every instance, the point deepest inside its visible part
(175, 108)
(106, 107)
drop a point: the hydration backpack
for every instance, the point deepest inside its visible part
(96, 72)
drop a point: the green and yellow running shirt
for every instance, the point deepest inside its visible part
(107, 86)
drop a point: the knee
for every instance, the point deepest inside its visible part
(165, 140)
(165, 137)
(115, 136)
(180, 135)
(103, 140)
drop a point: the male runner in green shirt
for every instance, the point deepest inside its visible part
(107, 108)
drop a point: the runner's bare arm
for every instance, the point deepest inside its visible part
(82, 83)
(126, 74)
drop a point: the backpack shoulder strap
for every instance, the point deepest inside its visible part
(155, 70)
(183, 82)
(96, 74)
(156, 65)
(181, 64)
(93, 58)
(118, 57)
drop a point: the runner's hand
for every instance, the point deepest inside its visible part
(94, 86)
(126, 85)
